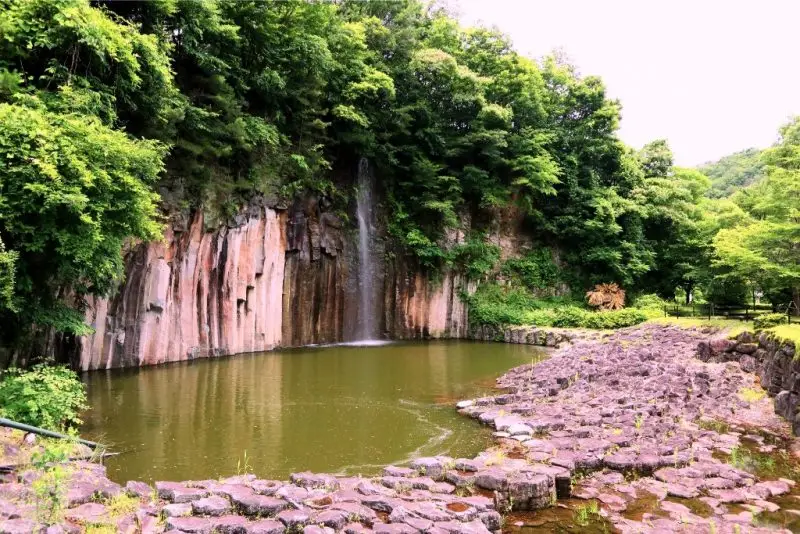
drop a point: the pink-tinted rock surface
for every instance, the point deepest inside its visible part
(273, 277)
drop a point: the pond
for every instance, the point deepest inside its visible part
(336, 409)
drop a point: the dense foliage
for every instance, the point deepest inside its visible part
(51, 397)
(214, 102)
(500, 306)
(768, 320)
(733, 172)
(757, 243)
(534, 270)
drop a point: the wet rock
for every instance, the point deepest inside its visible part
(265, 526)
(746, 348)
(773, 488)
(336, 519)
(526, 491)
(681, 491)
(87, 514)
(491, 479)
(356, 512)
(729, 496)
(367, 487)
(744, 518)
(614, 502)
(214, 506)
(141, 490)
(393, 528)
(258, 505)
(311, 480)
(621, 461)
(177, 509)
(401, 472)
(491, 520)
(519, 428)
(265, 487)
(473, 527)
(356, 528)
(67, 528)
(460, 479)
(9, 510)
(293, 518)
(17, 526)
(443, 487)
(431, 467)
(191, 525)
(229, 524)
(178, 493)
(79, 493)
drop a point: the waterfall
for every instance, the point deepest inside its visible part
(367, 323)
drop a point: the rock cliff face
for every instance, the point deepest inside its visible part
(277, 278)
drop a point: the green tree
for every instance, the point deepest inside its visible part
(72, 191)
(734, 172)
(764, 248)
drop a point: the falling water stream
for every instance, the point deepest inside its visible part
(367, 330)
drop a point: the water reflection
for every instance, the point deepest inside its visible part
(338, 408)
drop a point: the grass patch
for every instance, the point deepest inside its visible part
(788, 332)
(586, 513)
(121, 505)
(751, 394)
(758, 464)
(733, 326)
(720, 427)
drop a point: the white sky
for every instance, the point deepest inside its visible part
(710, 76)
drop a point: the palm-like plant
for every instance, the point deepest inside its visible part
(606, 297)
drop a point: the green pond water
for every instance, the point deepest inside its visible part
(339, 409)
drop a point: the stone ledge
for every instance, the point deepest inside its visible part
(546, 336)
(769, 357)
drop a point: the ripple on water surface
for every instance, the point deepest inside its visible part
(340, 408)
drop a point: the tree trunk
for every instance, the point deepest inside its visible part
(796, 300)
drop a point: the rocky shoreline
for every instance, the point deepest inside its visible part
(630, 433)
(772, 359)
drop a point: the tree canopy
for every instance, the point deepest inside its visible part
(733, 172)
(105, 102)
(762, 246)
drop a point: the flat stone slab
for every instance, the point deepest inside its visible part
(191, 525)
(259, 505)
(213, 506)
(178, 493)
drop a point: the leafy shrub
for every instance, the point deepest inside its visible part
(535, 270)
(475, 257)
(649, 302)
(768, 320)
(606, 297)
(50, 487)
(651, 305)
(497, 306)
(45, 396)
(615, 319)
(578, 318)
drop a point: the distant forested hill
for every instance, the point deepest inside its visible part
(733, 172)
